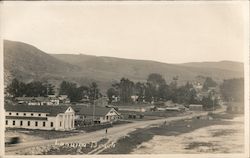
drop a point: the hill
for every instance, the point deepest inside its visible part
(28, 63)
(140, 69)
(225, 65)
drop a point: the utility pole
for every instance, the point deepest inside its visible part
(213, 104)
(94, 106)
(213, 98)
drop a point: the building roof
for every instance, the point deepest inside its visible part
(99, 111)
(50, 110)
(197, 105)
(24, 98)
(130, 112)
(78, 107)
(26, 118)
(32, 98)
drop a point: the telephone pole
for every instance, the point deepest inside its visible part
(94, 106)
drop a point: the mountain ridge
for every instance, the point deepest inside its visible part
(146, 60)
(27, 63)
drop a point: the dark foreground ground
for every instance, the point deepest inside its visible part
(127, 144)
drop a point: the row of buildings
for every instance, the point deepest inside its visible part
(50, 100)
(61, 117)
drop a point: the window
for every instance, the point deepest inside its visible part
(21, 123)
(39, 114)
(31, 114)
(10, 113)
(60, 123)
(51, 124)
(36, 123)
(17, 114)
(44, 123)
(14, 122)
(24, 114)
(28, 123)
(6, 122)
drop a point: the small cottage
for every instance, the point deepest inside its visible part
(97, 114)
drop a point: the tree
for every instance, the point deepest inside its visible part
(36, 89)
(110, 93)
(149, 92)
(173, 89)
(16, 88)
(126, 90)
(209, 102)
(209, 82)
(233, 89)
(93, 92)
(156, 80)
(185, 94)
(140, 90)
(84, 91)
(50, 89)
(157, 86)
(32, 89)
(70, 89)
(64, 88)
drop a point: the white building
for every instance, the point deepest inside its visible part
(136, 108)
(64, 99)
(40, 117)
(195, 107)
(99, 114)
(38, 100)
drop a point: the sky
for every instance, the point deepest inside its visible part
(170, 32)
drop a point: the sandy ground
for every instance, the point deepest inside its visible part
(212, 139)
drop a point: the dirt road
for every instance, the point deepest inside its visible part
(113, 133)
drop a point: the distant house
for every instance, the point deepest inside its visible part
(23, 100)
(64, 99)
(197, 86)
(37, 100)
(97, 114)
(131, 115)
(136, 108)
(195, 107)
(40, 117)
(134, 98)
(171, 107)
(201, 95)
(52, 96)
(85, 100)
(115, 99)
(53, 101)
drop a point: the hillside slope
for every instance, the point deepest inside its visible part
(28, 63)
(139, 69)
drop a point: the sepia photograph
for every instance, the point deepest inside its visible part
(125, 78)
